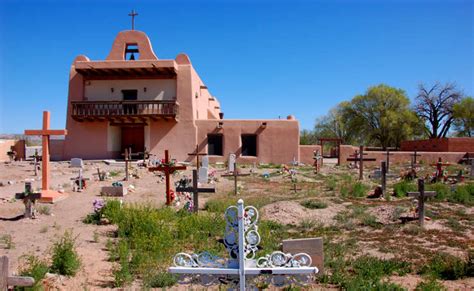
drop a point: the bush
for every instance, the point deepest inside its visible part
(430, 285)
(161, 279)
(401, 188)
(65, 260)
(445, 266)
(463, 194)
(32, 266)
(442, 191)
(314, 204)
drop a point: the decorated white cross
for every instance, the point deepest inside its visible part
(242, 269)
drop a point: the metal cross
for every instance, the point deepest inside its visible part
(195, 190)
(235, 174)
(421, 195)
(359, 157)
(133, 14)
(241, 241)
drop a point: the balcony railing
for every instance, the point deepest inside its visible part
(100, 110)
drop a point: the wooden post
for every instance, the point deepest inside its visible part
(388, 154)
(420, 196)
(195, 190)
(6, 280)
(383, 169)
(360, 158)
(235, 174)
(197, 154)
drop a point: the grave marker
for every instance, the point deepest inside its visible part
(383, 168)
(29, 199)
(203, 175)
(318, 158)
(7, 281)
(197, 154)
(413, 160)
(241, 241)
(168, 168)
(294, 187)
(421, 195)
(231, 163)
(311, 246)
(359, 157)
(195, 190)
(472, 169)
(80, 181)
(47, 195)
(387, 159)
(439, 169)
(235, 174)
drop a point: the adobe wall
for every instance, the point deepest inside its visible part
(5, 147)
(277, 143)
(401, 157)
(458, 144)
(56, 149)
(307, 153)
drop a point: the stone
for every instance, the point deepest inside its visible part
(114, 191)
(203, 175)
(312, 246)
(77, 163)
(205, 162)
(231, 163)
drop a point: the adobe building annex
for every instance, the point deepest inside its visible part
(133, 99)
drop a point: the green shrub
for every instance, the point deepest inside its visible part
(442, 191)
(463, 194)
(65, 260)
(314, 204)
(32, 266)
(161, 279)
(372, 267)
(429, 285)
(445, 266)
(401, 188)
(331, 183)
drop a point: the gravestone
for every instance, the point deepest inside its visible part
(311, 246)
(114, 191)
(359, 157)
(203, 175)
(235, 174)
(195, 190)
(77, 163)
(472, 169)
(231, 163)
(421, 195)
(29, 199)
(205, 161)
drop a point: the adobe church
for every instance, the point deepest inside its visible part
(133, 99)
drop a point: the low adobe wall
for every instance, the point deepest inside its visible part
(6, 146)
(307, 153)
(401, 157)
(458, 144)
(56, 149)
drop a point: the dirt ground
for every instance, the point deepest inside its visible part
(35, 236)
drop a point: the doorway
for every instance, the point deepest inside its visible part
(128, 107)
(133, 137)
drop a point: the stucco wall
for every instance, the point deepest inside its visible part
(5, 147)
(277, 143)
(460, 144)
(156, 89)
(56, 149)
(401, 157)
(307, 153)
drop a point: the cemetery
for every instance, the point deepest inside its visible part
(148, 186)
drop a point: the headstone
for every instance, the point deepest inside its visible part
(195, 190)
(311, 246)
(231, 163)
(421, 195)
(205, 162)
(203, 175)
(77, 163)
(114, 191)
(472, 169)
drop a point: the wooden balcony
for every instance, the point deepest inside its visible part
(122, 111)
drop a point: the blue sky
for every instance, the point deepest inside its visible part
(261, 59)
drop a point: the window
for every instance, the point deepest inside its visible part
(249, 145)
(214, 144)
(131, 52)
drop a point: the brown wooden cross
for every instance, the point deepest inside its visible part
(133, 14)
(29, 199)
(46, 132)
(294, 188)
(235, 174)
(439, 169)
(128, 157)
(383, 169)
(7, 281)
(197, 154)
(421, 195)
(359, 157)
(195, 190)
(168, 169)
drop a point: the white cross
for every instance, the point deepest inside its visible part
(241, 240)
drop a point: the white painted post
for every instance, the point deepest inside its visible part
(240, 205)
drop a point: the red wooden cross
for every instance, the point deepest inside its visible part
(168, 170)
(439, 169)
(47, 195)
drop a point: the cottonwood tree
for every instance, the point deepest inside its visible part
(463, 113)
(382, 116)
(307, 137)
(333, 125)
(434, 105)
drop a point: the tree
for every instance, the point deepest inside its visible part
(381, 116)
(434, 105)
(463, 113)
(307, 137)
(333, 125)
